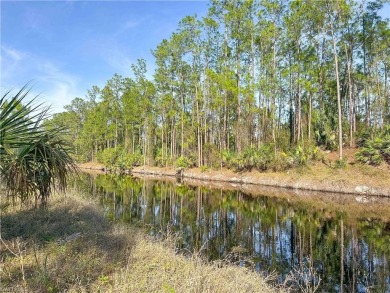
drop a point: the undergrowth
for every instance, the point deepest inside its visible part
(266, 158)
(376, 149)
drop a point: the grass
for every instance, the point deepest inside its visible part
(71, 246)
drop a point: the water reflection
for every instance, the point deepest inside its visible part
(310, 242)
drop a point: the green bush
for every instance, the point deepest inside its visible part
(376, 150)
(250, 158)
(158, 157)
(264, 158)
(371, 153)
(281, 162)
(204, 168)
(324, 133)
(127, 161)
(227, 158)
(160, 160)
(211, 156)
(341, 164)
(119, 158)
(259, 158)
(362, 138)
(184, 162)
(302, 157)
(108, 156)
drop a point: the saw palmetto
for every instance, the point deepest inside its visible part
(33, 160)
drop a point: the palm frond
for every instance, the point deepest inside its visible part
(33, 159)
(19, 123)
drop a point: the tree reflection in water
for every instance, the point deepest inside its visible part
(348, 256)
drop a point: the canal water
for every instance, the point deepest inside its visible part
(340, 243)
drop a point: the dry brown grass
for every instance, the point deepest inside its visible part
(72, 247)
(154, 267)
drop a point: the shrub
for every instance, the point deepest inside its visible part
(160, 160)
(227, 159)
(127, 161)
(250, 158)
(375, 151)
(108, 156)
(211, 155)
(316, 154)
(300, 157)
(362, 138)
(324, 132)
(281, 162)
(204, 168)
(303, 156)
(264, 158)
(184, 162)
(341, 164)
(261, 157)
(370, 153)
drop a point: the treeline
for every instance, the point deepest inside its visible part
(250, 83)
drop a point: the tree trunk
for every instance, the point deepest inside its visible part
(238, 122)
(338, 97)
(299, 99)
(309, 118)
(351, 103)
(198, 128)
(182, 123)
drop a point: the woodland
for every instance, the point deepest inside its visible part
(264, 84)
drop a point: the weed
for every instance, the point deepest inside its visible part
(204, 168)
(304, 279)
(340, 164)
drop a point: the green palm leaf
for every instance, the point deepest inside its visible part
(33, 160)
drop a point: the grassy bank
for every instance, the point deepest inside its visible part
(71, 246)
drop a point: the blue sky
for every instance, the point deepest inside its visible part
(65, 47)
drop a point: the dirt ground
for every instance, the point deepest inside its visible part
(91, 165)
(348, 154)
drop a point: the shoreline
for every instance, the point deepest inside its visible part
(335, 181)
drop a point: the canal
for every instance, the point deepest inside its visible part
(340, 243)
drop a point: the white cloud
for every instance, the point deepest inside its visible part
(129, 25)
(56, 86)
(118, 60)
(15, 55)
(110, 51)
(62, 87)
